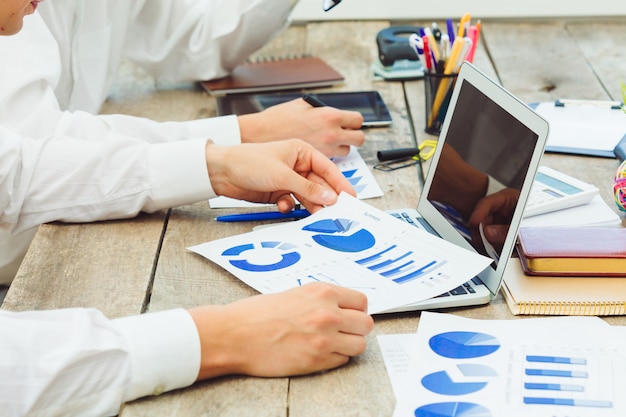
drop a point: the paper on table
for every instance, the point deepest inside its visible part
(583, 128)
(351, 244)
(503, 368)
(353, 168)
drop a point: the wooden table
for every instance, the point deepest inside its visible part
(133, 266)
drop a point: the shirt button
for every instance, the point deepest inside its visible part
(158, 390)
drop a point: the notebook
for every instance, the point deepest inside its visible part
(275, 75)
(486, 131)
(571, 296)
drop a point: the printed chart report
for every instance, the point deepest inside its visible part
(547, 367)
(350, 244)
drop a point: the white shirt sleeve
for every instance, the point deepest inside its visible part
(78, 362)
(68, 179)
(62, 67)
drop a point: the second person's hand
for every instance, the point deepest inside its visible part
(271, 172)
(332, 131)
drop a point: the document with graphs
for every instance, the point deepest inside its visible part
(541, 367)
(350, 244)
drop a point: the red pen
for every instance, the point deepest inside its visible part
(474, 35)
(427, 55)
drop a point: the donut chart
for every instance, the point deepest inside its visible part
(262, 257)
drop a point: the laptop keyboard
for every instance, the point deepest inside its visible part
(467, 287)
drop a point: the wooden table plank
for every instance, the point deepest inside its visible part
(105, 265)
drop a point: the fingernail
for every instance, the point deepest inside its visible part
(328, 197)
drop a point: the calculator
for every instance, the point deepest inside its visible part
(554, 190)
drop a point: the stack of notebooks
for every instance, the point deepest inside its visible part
(568, 271)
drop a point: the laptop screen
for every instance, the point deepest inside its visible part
(484, 166)
(481, 170)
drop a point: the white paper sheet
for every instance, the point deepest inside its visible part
(540, 367)
(351, 244)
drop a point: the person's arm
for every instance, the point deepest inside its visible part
(78, 362)
(68, 179)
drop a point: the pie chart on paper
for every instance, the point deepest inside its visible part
(340, 235)
(463, 345)
(452, 409)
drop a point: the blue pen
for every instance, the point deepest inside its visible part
(264, 215)
(450, 27)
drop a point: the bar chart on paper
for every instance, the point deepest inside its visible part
(576, 380)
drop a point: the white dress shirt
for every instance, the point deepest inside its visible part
(78, 363)
(55, 75)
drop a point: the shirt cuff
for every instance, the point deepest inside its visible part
(227, 126)
(164, 351)
(179, 173)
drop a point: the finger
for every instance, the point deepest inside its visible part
(351, 299)
(324, 171)
(355, 322)
(350, 345)
(285, 203)
(351, 119)
(352, 137)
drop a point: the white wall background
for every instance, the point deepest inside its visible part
(416, 10)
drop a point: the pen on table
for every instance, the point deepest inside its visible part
(313, 101)
(263, 215)
(393, 154)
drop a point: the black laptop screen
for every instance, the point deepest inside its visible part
(483, 164)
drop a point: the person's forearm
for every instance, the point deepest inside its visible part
(97, 180)
(78, 362)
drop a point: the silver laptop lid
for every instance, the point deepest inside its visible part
(488, 153)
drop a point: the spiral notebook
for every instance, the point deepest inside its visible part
(275, 75)
(572, 296)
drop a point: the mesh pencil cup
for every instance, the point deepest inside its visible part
(437, 92)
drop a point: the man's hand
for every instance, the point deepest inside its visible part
(495, 212)
(330, 130)
(303, 330)
(271, 172)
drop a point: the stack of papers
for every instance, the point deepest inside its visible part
(542, 367)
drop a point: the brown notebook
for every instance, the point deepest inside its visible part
(274, 75)
(573, 251)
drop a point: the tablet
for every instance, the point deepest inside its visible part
(369, 103)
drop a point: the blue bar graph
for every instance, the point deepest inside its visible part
(554, 387)
(556, 359)
(569, 402)
(556, 372)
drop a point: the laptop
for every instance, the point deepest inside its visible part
(489, 149)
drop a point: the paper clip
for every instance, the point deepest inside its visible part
(424, 151)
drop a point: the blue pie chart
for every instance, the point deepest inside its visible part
(339, 235)
(441, 383)
(262, 257)
(463, 345)
(452, 409)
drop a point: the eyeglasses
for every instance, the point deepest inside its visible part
(329, 4)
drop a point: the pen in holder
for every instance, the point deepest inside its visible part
(437, 92)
